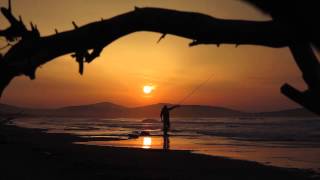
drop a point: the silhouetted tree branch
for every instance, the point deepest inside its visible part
(33, 50)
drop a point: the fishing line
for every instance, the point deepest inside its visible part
(195, 89)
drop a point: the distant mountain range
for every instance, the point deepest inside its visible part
(111, 110)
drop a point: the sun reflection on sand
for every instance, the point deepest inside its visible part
(279, 156)
(147, 142)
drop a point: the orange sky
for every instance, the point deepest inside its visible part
(136, 60)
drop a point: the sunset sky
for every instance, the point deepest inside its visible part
(246, 78)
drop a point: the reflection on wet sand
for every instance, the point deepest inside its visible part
(147, 142)
(279, 156)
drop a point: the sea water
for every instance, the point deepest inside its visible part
(284, 141)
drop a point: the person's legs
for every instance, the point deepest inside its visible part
(166, 142)
(165, 131)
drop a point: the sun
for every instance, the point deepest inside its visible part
(147, 89)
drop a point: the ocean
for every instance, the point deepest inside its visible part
(284, 141)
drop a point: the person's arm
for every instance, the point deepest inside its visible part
(173, 107)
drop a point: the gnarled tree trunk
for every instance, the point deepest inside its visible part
(33, 50)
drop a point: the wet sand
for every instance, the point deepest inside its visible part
(34, 154)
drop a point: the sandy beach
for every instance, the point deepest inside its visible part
(34, 154)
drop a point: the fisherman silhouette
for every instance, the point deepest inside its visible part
(165, 117)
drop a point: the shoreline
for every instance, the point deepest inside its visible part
(34, 154)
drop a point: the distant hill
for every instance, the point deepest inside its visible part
(184, 111)
(15, 110)
(111, 110)
(4, 108)
(299, 112)
(105, 109)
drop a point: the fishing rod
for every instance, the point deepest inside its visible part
(195, 89)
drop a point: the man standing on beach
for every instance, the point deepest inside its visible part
(165, 117)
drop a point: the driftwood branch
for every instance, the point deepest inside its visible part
(310, 68)
(32, 50)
